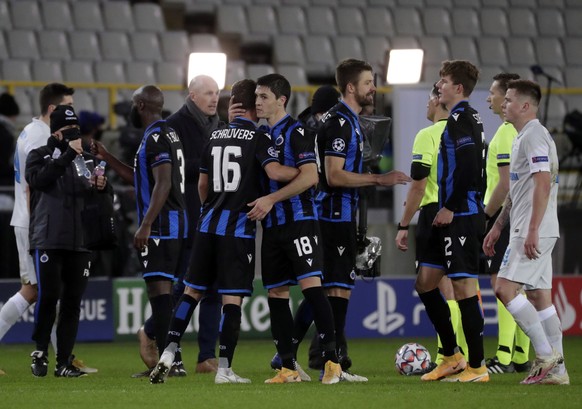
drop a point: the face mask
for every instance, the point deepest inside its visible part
(53, 143)
(134, 118)
(71, 134)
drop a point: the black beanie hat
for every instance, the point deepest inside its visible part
(62, 116)
(324, 98)
(8, 105)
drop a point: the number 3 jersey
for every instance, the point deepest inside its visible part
(234, 159)
(160, 145)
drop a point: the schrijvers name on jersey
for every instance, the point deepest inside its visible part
(234, 133)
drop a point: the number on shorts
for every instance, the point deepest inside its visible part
(303, 246)
(448, 242)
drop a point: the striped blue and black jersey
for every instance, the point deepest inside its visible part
(461, 161)
(294, 147)
(160, 145)
(340, 135)
(234, 159)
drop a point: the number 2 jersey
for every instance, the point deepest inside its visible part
(160, 145)
(234, 159)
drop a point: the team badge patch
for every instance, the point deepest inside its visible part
(273, 152)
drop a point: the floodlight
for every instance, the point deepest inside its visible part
(211, 64)
(404, 66)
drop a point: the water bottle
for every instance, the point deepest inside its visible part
(81, 167)
(99, 169)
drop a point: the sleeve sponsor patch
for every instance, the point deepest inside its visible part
(503, 156)
(162, 156)
(306, 155)
(537, 159)
(465, 140)
(417, 156)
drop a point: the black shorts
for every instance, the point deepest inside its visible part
(229, 261)
(290, 253)
(161, 259)
(427, 245)
(459, 245)
(339, 253)
(491, 265)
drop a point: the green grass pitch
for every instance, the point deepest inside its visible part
(113, 387)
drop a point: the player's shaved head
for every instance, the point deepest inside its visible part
(151, 96)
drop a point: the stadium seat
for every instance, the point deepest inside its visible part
(47, 71)
(295, 74)
(262, 20)
(175, 46)
(572, 47)
(350, 3)
(201, 6)
(79, 71)
(387, 3)
(321, 21)
(464, 48)
(410, 3)
(84, 45)
(467, 3)
(492, 51)
(26, 15)
(522, 3)
(375, 49)
(205, 43)
(524, 72)
(300, 3)
(258, 70)
(83, 100)
(437, 22)
(288, 49)
(407, 22)
(5, 20)
(446, 4)
(494, 22)
(171, 73)
(521, 52)
(231, 19)
(557, 73)
(550, 52)
(557, 110)
(495, 3)
(22, 44)
(110, 72)
(466, 22)
(16, 70)
(350, 21)
(235, 71)
(53, 45)
(379, 21)
(347, 47)
(118, 16)
(3, 48)
(56, 15)
(404, 42)
(430, 73)
(319, 55)
(325, 3)
(24, 98)
(522, 22)
(115, 46)
(436, 50)
(268, 2)
(486, 74)
(291, 20)
(148, 17)
(173, 100)
(140, 73)
(145, 46)
(87, 16)
(550, 23)
(238, 2)
(573, 77)
(551, 3)
(573, 25)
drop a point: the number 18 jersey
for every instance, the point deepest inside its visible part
(233, 160)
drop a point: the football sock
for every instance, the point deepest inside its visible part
(527, 318)
(324, 322)
(339, 306)
(208, 320)
(11, 312)
(282, 329)
(473, 322)
(458, 326)
(301, 323)
(553, 330)
(229, 332)
(180, 319)
(521, 348)
(506, 327)
(438, 311)
(161, 313)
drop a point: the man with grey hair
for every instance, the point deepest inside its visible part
(193, 123)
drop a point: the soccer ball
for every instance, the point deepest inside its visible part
(412, 359)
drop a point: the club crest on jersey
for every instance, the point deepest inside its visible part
(44, 258)
(338, 145)
(279, 140)
(272, 152)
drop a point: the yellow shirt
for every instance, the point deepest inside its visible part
(425, 151)
(499, 154)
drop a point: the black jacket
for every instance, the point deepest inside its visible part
(57, 200)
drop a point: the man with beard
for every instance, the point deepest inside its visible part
(193, 123)
(340, 145)
(158, 176)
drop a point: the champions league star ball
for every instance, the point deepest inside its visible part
(412, 359)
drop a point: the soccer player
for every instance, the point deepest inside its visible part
(291, 248)
(423, 195)
(531, 207)
(340, 143)
(230, 179)
(508, 358)
(457, 228)
(158, 176)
